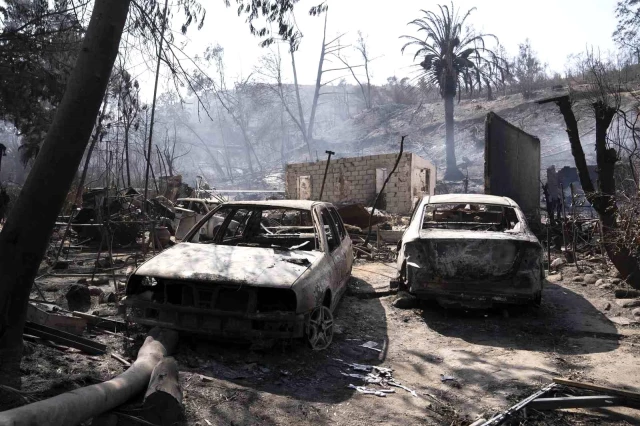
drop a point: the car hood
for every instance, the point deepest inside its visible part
(230, 265)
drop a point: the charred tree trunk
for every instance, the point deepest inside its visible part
(576, 147)
(224, 144)
(214, 161)
(300, 111)
(250, 150)
(606, 158)
(163, 400)
(366, 70)
(77, 406)
(452, 172)
(316, 92)
(92, 145)
(153, 106)
(126, 152)
(603, 201)
(284, 139)
(25, 236)
(489, 90)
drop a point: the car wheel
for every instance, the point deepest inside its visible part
(537, 299)
(403, 284)
(319, 331)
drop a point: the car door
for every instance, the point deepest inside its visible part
(336, 257)
(346, 250)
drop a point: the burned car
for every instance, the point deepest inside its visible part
(470, 249)
(190, 211)
(272, 269)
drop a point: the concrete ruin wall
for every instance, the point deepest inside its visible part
(420, 184)
(354, 180)
(512, 164)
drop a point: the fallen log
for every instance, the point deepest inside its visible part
(626, 293)
(79, 405)
(107, 419)
(163, 400)
(604, 390)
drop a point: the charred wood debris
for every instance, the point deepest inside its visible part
(571, 228)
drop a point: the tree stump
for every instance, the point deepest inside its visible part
(163, 400)
(78, 297)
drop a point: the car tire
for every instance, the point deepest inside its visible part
(537, 299)
(319, 328)
(403, 281)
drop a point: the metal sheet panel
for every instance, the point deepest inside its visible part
(512, 164)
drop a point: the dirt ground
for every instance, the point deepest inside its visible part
(494, 358)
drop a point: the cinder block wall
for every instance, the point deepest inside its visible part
(417, 186)
(354, 180)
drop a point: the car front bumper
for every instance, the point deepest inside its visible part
(232, 325)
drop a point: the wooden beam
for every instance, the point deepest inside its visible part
(596, 388)
(89, 346)
(577, 402)
(99, 321)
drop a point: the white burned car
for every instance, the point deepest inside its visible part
(470, 249)
(190, 211)
(272, 269)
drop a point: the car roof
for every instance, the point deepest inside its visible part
(470, 198)
(290, 204)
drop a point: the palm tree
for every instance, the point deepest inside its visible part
(452, 57)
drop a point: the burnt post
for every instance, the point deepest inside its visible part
(3, 153)
(326, 169)
(573, 226)
(548, 245)
(564, 221)
(375, 202)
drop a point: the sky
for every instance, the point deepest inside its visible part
(556, 28)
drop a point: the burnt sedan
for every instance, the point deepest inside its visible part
(472, 250)
(272, 269)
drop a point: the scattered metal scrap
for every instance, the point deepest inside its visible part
(380, 376)
(371, 345)
(562, 394)
(362, 389)
(50, 315)
(357, 215)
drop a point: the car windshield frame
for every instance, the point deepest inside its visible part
(319, 245)
(511, 220)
